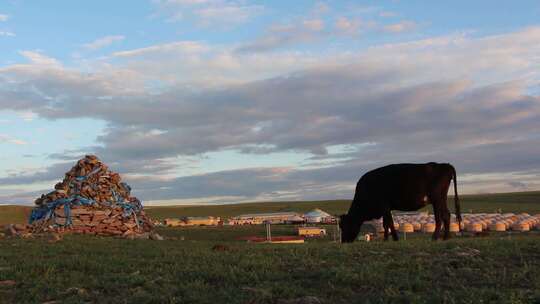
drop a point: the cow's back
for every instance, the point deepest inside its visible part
(397, 187)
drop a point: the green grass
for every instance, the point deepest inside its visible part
(502, 268)
(507, 202)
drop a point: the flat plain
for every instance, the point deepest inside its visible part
(188, 267)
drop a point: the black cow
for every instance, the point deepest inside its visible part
(404, 187)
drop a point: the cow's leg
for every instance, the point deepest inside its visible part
(440, 195)
(446, 220)
(386, 227)
(445, 213)
(388, 223)
(437, 214)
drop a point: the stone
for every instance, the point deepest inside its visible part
(156, 237)
(95, 198)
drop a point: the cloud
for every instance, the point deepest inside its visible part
(103, 42)
(51, 173)
(27, 116)
(179, 46)
(348, 25)
(229, 14)
(314, 30)
(320, 8)
(21, 197)
(199, 65)
(387, 14)
(7, 34)
(282, 35)
(37, 58)
(208, 13)
(4, 138)
(3, 17)
(392, 101)
(518, 185)
(403, 26)
(278, 183)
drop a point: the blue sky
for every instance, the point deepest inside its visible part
(235, 100)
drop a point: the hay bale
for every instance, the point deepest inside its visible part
(474, 227)
(497, 226)
(454, 227)
(520, 227)
(406, 227)
(484, 224)
(428, 228)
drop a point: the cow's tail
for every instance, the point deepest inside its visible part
(456, 199)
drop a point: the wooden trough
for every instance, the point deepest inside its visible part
(275, 240)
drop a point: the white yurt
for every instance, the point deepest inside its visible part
(316, 216)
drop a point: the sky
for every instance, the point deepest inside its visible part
(223, 101)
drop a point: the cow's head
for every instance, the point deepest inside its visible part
(350, 227)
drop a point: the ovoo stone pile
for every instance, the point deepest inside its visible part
(90, 200)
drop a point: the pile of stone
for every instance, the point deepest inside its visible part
(90, 200)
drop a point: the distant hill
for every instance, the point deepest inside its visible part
(507, 202)
(14, 214)
(332, 207)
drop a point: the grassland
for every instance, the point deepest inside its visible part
(501, 268)
(14, 214)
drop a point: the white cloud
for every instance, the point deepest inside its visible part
(38, 58)
(314, 24)
(208, 13)
(189, 47)
(347, 25)
(313, 30)
(399, 27)
(7, 34)
(185, 2)
(230, 14)
(283, 35)
(4, 138)
(3, 17)
(320, 8)
(387, 14)
(28, 116)
(477, 114)
(103, 42)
